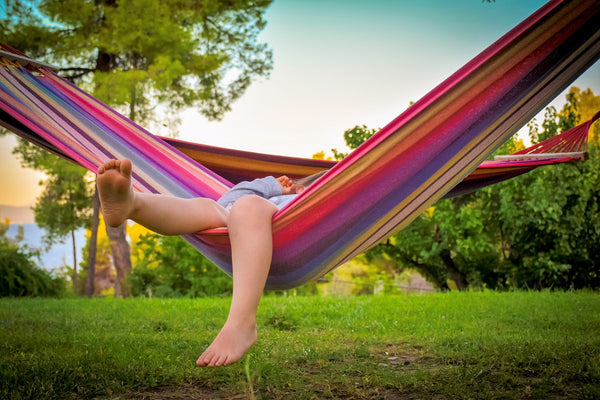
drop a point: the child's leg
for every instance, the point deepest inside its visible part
(250, 233)
(249, 223)
(166, 215)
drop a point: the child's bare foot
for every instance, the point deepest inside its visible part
(229, 345)
(115, 192)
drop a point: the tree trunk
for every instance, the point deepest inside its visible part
(455, 274)
(74, 276)
(426, 271)
(92, 248)
(118, 237)
(121, 257)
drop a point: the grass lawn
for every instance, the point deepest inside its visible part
(443, 346)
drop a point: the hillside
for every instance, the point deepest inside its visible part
(16, 215)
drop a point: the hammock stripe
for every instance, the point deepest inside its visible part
(380, 187)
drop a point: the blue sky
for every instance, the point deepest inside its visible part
(338, 63)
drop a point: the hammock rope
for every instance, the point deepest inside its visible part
(380, 187)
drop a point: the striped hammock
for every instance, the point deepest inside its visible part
(380, 187)
(237, 166)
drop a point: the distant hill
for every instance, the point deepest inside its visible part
(17, 215)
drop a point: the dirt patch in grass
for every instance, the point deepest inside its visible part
(399, 354)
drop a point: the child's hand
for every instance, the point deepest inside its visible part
(287, 185)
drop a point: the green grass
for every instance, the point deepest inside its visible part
(457, 345)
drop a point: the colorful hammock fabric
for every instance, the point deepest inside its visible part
(375, 191)
(237, 166)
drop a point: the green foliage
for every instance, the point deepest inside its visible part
(142, 53)
(353, 137)
(356, 136)
(539, 230)
(64, 204)
(449, 242)
(554, 229)
(168, 266)
(20, 276)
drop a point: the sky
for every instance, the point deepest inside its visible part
(337, 64)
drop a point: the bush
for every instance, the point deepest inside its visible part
(168, 266)
(20, 276)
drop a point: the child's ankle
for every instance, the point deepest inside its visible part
(135, 205)
(247, 323)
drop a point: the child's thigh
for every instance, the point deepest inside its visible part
(252, 207)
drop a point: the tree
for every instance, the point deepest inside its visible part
(92, 246)
(140, 54)
(553, 231)
(63, 206)
(149, 58)
(586, 104)
(536, 231)
(101, 276)
(353, 137)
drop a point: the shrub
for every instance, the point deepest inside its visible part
(168, 266)
(20, 276)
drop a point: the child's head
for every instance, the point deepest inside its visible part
(305, 182)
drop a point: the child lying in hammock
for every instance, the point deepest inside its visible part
(246, 210)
